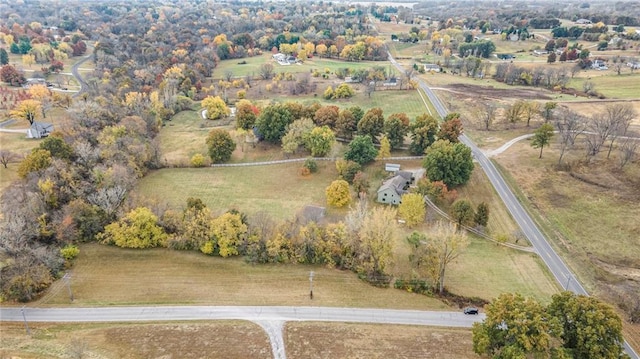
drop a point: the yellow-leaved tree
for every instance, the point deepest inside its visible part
(138, 229)
(412, 209)
(229, 231)
(29, 110)
(215, 107)
(338, 194)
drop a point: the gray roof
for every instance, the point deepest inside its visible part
(396, 183)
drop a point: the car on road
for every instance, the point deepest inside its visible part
(470, 310)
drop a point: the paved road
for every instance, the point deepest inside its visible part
(76, 74)
(257, 314)
(556, 265)
(271, 319)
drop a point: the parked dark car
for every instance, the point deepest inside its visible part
(470, 310)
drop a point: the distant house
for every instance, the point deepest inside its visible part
(599, 65)
(39, 130)
(391, 190)
(583, 22)
(391, 82)
(392, 167)
(432, 67)
(540, 52)
(634, 65)
(505, 56)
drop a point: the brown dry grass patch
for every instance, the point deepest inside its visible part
(340, 340)
(219, 339)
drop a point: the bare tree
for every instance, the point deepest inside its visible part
(266, 71)
(619, 116)
(108, 199)
(228, 75)
(570, 125)
(487, 114)
(7, 156)
(628, 151)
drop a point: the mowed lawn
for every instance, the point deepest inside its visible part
(253, 64)
(278, 190)
(611, 85)
(106, 275)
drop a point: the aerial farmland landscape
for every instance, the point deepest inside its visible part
(319, 179)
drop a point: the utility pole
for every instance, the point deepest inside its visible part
(311, 285)
(568, 281)
(24, 317)
(67, 280)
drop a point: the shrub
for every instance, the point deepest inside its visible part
(69, 252)
(311, 165)
(413, 286)
(198, 160)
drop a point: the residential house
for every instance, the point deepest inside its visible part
(583, 22)
(391, 190)
(432, 67)
(540, 52)
(39, 129)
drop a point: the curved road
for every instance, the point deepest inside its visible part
(76, 74)
(552, 260)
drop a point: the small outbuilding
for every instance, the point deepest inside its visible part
(392, 167)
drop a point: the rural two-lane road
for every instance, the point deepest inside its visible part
(271, 319)
(284, 314)
(552, 260)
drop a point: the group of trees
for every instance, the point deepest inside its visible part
(571, 326)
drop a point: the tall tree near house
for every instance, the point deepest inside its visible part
(570, 125)
(338, 194)
(423, 133)
(462, 212)
(443, 245)
(481, 218)
(396, 128)
(361, 150)
(384, 151)
(448, 162)
(451, 130)
(542, 137)
(28, 110)
(376, 238)
(412, 209)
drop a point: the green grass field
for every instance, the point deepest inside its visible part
(277, 189)
(624, 86)
(252, 66)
